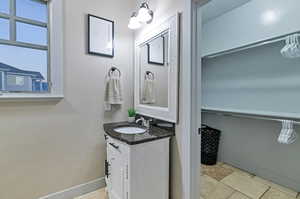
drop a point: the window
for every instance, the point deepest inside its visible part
(4, 6)
(24, 46)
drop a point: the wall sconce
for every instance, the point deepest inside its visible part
(144, 16)
(134, 23)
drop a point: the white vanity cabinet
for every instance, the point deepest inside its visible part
(139, 171)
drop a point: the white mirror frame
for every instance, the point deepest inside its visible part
(171, 112)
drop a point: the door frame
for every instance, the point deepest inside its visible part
(189, 133)
(191, 100)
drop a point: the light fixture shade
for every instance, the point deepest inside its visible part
(144, 14)
(134, 23)
(152, 16)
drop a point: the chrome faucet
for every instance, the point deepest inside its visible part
(145, 123)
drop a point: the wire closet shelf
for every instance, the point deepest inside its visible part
(253, 45)
(259, 115)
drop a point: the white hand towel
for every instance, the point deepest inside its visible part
(113, 91)
(148, 96)
(288, 134)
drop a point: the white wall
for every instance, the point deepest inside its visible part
(46, 147)
(216, 8)
(253, 22)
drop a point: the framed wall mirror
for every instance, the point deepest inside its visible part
(156, 71)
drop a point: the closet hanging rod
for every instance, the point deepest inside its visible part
(240, 115)
(249, 46)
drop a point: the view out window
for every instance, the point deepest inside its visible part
(24, 46)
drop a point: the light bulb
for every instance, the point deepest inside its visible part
(144, 13)
(134, 22)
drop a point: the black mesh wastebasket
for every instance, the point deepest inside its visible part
(209, 145)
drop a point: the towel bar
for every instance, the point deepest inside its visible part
(149, 74)
(113, 69)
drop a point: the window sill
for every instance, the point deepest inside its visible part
(29, 97)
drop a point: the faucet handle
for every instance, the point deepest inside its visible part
(140, 119)
(147, 123)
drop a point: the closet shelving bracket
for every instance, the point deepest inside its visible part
(258, 115)
(249, 46)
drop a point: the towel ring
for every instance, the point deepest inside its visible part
(149, 74)
(113, 69)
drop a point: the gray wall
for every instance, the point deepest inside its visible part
(257, 79)
(252, 145)
(47, 147)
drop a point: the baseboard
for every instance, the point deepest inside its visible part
(77, 190)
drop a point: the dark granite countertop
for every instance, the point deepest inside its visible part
(154, 133)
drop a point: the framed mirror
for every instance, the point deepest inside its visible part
(156, 71)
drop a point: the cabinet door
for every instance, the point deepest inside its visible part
(118, 170)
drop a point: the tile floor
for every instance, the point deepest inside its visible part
(223, 181)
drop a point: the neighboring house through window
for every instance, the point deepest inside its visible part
(14, 79)
(24, 46)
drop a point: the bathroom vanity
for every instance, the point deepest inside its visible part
(137, 164)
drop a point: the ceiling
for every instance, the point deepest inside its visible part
(216, 8)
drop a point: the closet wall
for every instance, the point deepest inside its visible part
(256, 80)
(248, 143)
(253, 22)
(252, 145)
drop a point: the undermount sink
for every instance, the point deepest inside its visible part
(130, 130)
